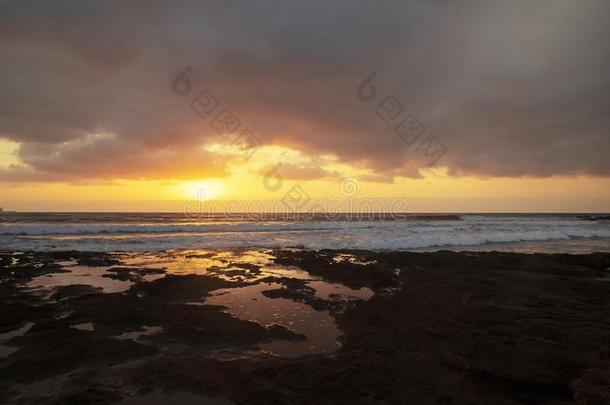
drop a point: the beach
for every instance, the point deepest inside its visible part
(270, 325)
(304, 202)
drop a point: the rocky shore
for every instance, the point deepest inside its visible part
(420, 328)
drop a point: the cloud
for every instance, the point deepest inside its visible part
(297, 172)
(510, 89)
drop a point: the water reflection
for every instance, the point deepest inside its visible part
(80, 275)
(136, 335)
(88, 326)
(266, 292)
(334, 291)
(250, 304)
(5, 350)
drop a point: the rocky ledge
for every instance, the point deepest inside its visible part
(442, 328)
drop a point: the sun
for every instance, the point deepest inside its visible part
(202, 189)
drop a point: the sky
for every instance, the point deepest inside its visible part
(451, 106)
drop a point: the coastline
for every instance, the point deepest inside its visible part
(461, 327)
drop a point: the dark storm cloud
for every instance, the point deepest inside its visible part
(510, 88)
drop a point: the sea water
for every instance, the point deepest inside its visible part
(550, 233)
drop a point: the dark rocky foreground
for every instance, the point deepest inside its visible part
(442, 328)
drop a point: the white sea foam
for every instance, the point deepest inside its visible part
(93, 229)
(169, 233)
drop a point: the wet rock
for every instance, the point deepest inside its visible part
(461, 328)
(22, 273)
(96, 259)
(209, 325)
(48, 351)
(350, 274)
(131, 274)
(182, 288)
(593, 387)
(252, 268)
(298, 290)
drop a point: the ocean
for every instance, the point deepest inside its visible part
(137, 232)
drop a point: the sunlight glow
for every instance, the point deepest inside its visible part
(8, 153)
(209, 188)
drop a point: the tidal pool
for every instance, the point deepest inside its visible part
(300, 301)
(80, 275)
(250, 304)
(7, 350)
